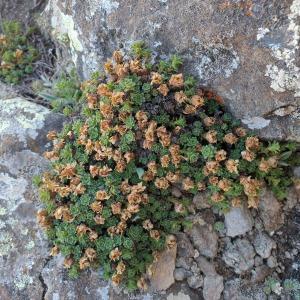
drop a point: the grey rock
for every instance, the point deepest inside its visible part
(270, 211)
(263, 244)
(163, 270)
(239, 255)
(206, 267)
(260, 273)
(272, 262)
(236, 289)
(184, 262)
(176, 192)
(204, 239)
(184, 246)
(201, 200)
(88, 286)
(181, 274)
(195, 281)
(258, 261)
(238, 221)
(222, 48)
(213, 287)
(23, 245)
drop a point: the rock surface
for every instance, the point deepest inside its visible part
(213, 287)
(247, 51)
(204, 239)
(270, 211)
(239, 255)
(263, 245)
(23, 247)
(163, 270)
(238, 221)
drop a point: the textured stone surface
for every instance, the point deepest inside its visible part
(163, 270)
(204, 239)
(239, 255)
(237, 290)
(213, 287)
(23, 247)
(270, 211)
(263, 244)
(247, 51)
(238, 221)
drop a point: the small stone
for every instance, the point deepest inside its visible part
(239, 255)
(195, 281)
(213, 287)
(270, 211)
(163, 269)
(184, 262)
(184, 245)
(263, 244)
(258, 261)
(238, 221)
(288, 255)
(201, 200)
(272, 262)
(260, 273)
(176, 192)
(181, 274)
(204, 239)
(206, 267)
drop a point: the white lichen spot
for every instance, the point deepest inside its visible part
(261, 32)
(287, 78)
(3, 211)
(22, 281)
(6, 243)
(30, 245)
(63, 25)
(179, 296)
(55, 296)
(21, 118)
(12, 191)
(104, 292)
(256, 122)
(24, 231)
(109, 6)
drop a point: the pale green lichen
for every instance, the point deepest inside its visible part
(22, 281)
(6, 243)
(3, 211)
(21, 118)
(30, 245)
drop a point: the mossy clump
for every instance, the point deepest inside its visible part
(17, 54)
(144, 129)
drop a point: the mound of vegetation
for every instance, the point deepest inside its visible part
(145, 128)
(17, 54)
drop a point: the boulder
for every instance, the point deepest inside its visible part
(23, 246)
(246, 51)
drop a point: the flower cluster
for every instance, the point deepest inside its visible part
(16, 54)
(144, 130)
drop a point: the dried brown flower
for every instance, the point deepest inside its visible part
(84, 263)
(187, 183)
(248, 155)
(154, 234)
(99, 220)
(220, 155)
(240, 131)
(161, 183)
(147, 224)
(180, 97)
(115, 254)
(90, 253)
(197, 101)
(116, 208)
(96, 206)
(156, 78)
(209, 121)
(252, 143)
(211, 136)
(176, 80)
(230, 138)
(232, 165)
(163, 89)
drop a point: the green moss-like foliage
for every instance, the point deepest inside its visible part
(17, 55)
(145, 128)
